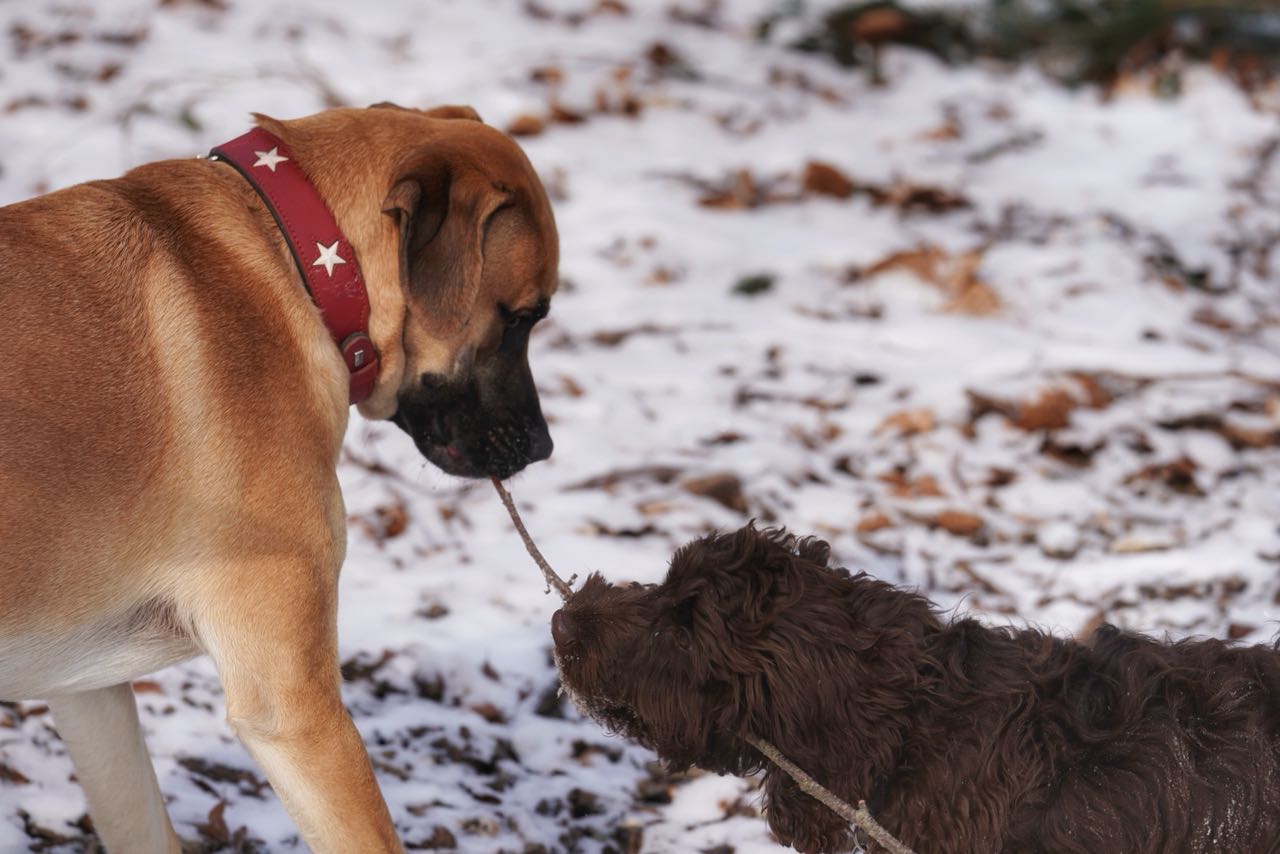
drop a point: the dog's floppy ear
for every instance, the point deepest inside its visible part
(442, 218)
(453, 111)
(800, 820)
(445, 111)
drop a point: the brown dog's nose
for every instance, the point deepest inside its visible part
(561, 627)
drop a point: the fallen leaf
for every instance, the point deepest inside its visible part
(874, 522)
(215, 826)
(908, 422)
(826, 180)
(721, 487)
(900, 486)
(549, 75)
(878, 23)
(959, 523)
(564, 115)
(490, 713)
(441, 839)
(740, 193)
(976, 299)
(9, 774)
(526, 124)
(1177, 475)
(1050, 411)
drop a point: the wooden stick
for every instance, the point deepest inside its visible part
(861, 817)
(553, 580)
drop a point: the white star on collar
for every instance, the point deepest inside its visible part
(328, 257)
(270, 159)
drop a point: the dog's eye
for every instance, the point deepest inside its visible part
(513, 319)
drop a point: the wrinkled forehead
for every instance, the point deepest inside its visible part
(521, 260)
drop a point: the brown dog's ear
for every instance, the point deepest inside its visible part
(454, 111)
(446, 111)
(442, 221)
(800, 820)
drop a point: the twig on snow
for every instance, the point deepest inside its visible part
(553, 580)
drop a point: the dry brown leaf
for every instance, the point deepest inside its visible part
(826, 180)
(874, 522)
(1050, 411)
(906, 196)
(1096, 397)
(947, 131)
(923, 262)
(900, 486)
(570, 386)
(878, 24)
(147, 686)
(394, 518)
(1177, 475)
(955, 275)
(976, 299)
(742, 193)
(721, 487)
(526, 124)
(959, 523)
(908, 422)
(549, 75)
(215, 826)
(490, 713)
(1246, 437)
(564, 115)
(9, 774)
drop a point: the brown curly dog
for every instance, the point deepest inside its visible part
(961, 737)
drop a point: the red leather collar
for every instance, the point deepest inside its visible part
(324, 257)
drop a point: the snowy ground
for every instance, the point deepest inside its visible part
(1029, 364)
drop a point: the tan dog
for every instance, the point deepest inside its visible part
(171, 413)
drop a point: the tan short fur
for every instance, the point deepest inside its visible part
(171, 413)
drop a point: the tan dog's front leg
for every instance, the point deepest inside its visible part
(102, 733)
(275, 648)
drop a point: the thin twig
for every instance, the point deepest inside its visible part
(860, 816)
(553, 580)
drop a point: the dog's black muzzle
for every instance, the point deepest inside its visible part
(488, 424)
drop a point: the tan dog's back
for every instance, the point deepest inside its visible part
(149, 343)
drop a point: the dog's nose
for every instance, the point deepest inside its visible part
(561, 627)
(540, 444)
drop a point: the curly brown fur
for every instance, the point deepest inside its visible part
(962, 737)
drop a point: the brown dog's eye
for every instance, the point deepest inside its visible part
(683, 638)
(512, 319)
